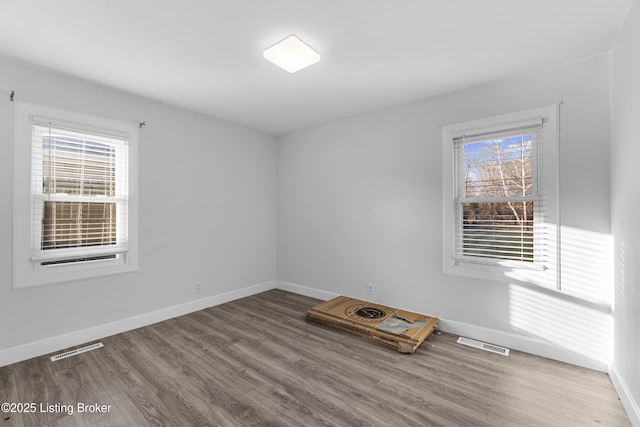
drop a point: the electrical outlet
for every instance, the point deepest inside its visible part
(370, 289)
(198, 288)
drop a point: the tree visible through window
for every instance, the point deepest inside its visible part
(500, 197)
(497, 195)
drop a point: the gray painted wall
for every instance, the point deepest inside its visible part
(359, 201)
(625, 208)
(207, 211)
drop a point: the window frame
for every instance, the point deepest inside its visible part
(544, 270)
(28, 256)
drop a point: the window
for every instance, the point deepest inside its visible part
(75, 173)
(499, 196)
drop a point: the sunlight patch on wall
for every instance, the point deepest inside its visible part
(565, 322)
(579, 317)
(587, 265)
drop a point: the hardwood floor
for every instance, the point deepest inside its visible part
(257, 361)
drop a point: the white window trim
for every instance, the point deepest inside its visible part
(545, 275)
(27, 271)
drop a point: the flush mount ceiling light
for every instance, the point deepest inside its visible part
(291, 54)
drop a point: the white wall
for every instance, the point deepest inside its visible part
(625, 208)
(359, 201)
(207, 214)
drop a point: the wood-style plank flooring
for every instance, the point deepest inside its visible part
(257, 361)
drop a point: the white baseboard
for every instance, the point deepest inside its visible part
(525, 343)
(517, 342)
(306, 291)
(71, 339)
(626, 398)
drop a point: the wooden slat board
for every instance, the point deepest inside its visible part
(366, 320)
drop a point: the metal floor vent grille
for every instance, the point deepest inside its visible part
(483, 346)
(76, 351)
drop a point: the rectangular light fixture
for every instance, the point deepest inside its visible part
(291, 54)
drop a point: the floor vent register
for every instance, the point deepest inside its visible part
(483, 346)
(76, 351)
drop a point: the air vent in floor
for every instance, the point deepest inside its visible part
(76, 351)
(484, 346)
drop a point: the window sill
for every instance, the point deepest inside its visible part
(505, 274)
(52, 274)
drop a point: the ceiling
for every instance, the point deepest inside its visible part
(206, 55)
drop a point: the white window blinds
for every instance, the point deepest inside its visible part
(499, 195)
(80, 190)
